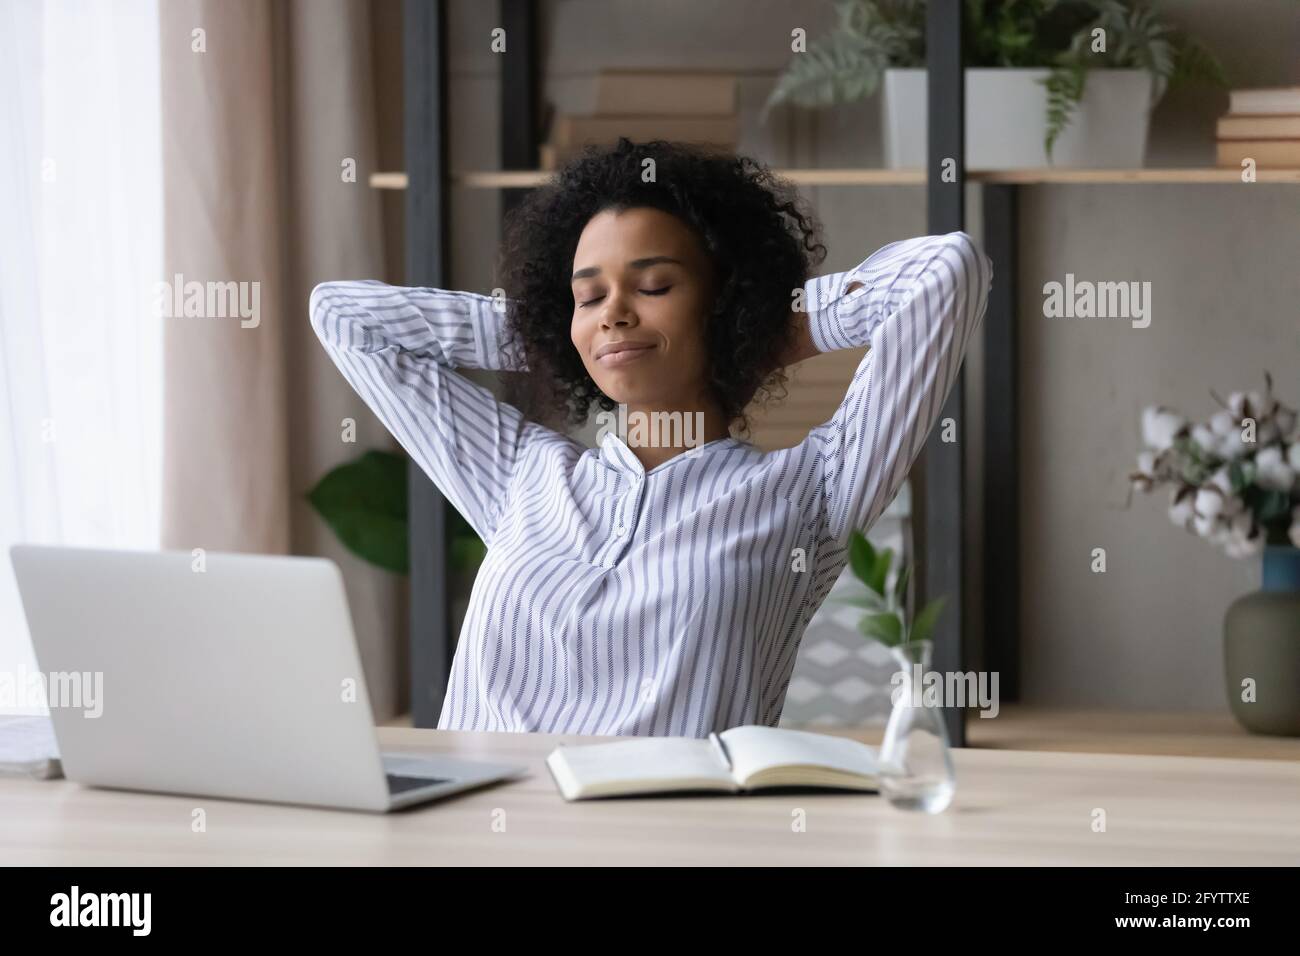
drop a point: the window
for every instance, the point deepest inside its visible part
(80, 256)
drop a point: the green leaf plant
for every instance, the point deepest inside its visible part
(1069, 37)
(884, 617)
(364, 503)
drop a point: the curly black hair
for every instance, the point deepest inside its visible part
(759, 234)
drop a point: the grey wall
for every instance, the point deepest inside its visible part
(1222, 261)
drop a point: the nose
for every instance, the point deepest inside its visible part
(617, 313)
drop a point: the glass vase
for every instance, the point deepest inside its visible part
(915, 761)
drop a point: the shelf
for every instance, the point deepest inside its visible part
(1041, 728)
(1229, 175)
(388, 180)
(526, 178)
(1033, 727)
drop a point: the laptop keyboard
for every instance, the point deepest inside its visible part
(400, 784)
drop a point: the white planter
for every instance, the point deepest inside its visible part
(1006, 118)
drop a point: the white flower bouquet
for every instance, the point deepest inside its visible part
(1232, 479)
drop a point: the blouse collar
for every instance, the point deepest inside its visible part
(616, 453)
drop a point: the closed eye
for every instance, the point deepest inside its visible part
(583, 305)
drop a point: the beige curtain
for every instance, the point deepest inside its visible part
(263, 104)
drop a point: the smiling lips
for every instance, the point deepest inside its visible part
(613, 354)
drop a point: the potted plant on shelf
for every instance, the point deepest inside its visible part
(1065, 82)
(1233, 481)
(916, 767)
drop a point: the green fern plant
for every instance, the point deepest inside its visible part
(884, 608)
(1134, 39)
(871, 36)
(1064, 93)
(847, 63)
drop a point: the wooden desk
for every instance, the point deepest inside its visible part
(1012, 807)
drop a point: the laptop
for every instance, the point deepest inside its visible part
(222, 675)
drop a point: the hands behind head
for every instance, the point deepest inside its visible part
(801, 346)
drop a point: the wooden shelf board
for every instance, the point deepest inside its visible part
(1030, 727)
(525, 178)
(1042, 728)
(1228, 175)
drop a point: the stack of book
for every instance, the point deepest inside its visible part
(1262, 125)
(693, 107)
(28, 748)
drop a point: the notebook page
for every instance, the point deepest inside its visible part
(645, 760)
(754, 748)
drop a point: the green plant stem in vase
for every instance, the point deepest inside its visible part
(916, 771)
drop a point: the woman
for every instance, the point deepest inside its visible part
(636, 588)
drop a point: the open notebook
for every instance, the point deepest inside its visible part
(740, 759)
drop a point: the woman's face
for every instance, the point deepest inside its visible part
(642, 293)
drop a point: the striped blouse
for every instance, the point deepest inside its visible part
(615, 600)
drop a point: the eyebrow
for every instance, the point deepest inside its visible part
(634, 264)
